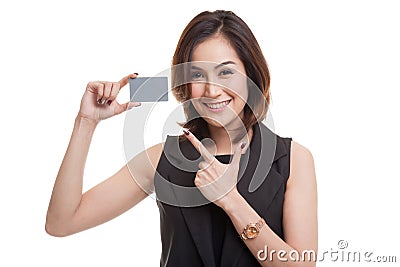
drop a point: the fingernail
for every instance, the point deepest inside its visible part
(186, 131)
(109, 102)
(243, 145)
(99, 101)
(136, 73)
(103, 101)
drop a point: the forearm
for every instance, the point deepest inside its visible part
(241, 214)
(67, 191)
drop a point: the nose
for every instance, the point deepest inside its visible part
(212, 90)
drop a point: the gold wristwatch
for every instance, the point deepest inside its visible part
(252, 230)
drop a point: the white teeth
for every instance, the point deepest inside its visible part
(219, 105)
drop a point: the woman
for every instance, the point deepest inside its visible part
(228, 219)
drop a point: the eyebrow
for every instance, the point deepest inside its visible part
(216, 67)
(224, 63)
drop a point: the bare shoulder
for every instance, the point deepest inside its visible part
(301, 163)
(300, 152)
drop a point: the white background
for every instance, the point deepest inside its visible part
(335, 82)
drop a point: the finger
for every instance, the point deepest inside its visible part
(128, 105)
(100, 92)
(124, 81)
(114, 92)
(96, 88)
(107, 90)
(197, 181)
(237, 154)
(93, 86)
(204, 165)
(208, 157)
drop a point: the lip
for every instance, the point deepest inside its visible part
(218, 101)
(217, 109)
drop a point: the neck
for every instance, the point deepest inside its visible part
(223, 138)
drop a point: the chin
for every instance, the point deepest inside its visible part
(222, 122)
(214, 123)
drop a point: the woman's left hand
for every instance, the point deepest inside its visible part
(215, 180)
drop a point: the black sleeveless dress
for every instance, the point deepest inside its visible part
(204, 235)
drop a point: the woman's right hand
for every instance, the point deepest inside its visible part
(99, 100)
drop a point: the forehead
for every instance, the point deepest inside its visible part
(216, 49)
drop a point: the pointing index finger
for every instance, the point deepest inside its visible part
(208, 157)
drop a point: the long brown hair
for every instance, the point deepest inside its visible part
(228, 25)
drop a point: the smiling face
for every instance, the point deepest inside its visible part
(218, 82)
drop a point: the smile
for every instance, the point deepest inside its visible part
(218, 106)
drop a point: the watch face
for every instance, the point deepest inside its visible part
(251, 232)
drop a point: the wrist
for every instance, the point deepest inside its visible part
(81, 119)
(84, 124)
(232, 201)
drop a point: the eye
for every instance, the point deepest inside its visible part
(226, 72)
(197, 76)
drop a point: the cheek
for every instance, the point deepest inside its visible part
(239, 89)
(196, 90)
(239, 105)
